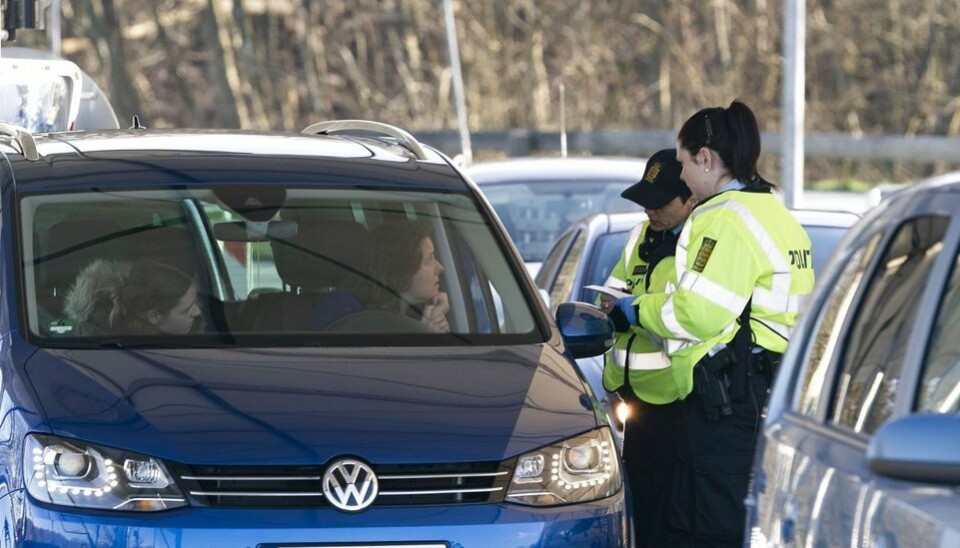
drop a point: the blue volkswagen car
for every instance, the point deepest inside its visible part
(257, 410)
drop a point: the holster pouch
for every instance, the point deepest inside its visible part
(711, 382)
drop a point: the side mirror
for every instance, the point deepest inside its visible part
(918, 448)
(586, 330)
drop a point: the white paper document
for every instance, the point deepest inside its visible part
(617, 293)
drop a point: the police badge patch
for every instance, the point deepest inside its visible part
(652, 173)
(706, 248)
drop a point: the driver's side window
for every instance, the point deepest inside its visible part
(833, 319)
(873, 360)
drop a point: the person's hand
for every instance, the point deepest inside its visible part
(625, 305)
(607, 302)
(435, 313)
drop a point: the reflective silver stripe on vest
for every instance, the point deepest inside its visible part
(669, 316)
(778, 296)
(613, 281)
(713, 292)
(789, 304)
(674, 346)
(646, 361)
(683, 242)
(781, 329)
(631, 246)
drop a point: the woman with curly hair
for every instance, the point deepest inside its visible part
(402, 275)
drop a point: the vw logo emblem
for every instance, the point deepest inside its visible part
(350, 485)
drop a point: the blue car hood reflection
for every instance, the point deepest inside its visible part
(286, 406)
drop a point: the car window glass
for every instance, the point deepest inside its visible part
(307, 262)
(835, 310)
(249, 266)
(563, 284)
(878, 338)
(939, 390)
(606, 252)
(536, 213)
(550, 264)
(484, 296)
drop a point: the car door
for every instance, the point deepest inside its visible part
(814, 479)
(907, 513)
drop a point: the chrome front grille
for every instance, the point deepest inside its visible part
(292, 487)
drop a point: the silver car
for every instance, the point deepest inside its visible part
(861, 443)
(538, 198)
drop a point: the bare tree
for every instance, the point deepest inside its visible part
(101, 21)
(885, 67)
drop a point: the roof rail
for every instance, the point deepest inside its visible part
(22, 138)
(403, 138)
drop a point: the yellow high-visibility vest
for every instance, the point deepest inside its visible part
(636, 352)
(736, 247)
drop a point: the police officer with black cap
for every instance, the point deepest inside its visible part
(637, 368)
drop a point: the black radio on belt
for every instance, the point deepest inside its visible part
(711, 382)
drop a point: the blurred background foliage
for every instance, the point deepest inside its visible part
(873, 66)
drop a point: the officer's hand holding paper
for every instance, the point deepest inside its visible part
(608, 296)
(610, 302)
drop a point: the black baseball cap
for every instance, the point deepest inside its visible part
(661, 182)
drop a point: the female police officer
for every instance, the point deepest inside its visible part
(743, 266)
(637, 367)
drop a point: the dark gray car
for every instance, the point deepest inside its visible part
(861, 445)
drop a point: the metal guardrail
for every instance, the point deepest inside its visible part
(922, 148)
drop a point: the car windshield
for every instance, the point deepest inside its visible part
(535, 213)
(268, 265)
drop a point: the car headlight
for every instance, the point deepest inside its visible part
(83, 475)
(579, 469)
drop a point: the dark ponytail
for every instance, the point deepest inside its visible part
(733, 133)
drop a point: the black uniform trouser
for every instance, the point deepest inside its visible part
(649, 456)
(688, 477)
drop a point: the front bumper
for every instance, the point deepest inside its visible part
(599, 524)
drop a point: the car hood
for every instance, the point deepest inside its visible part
(284, 406)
